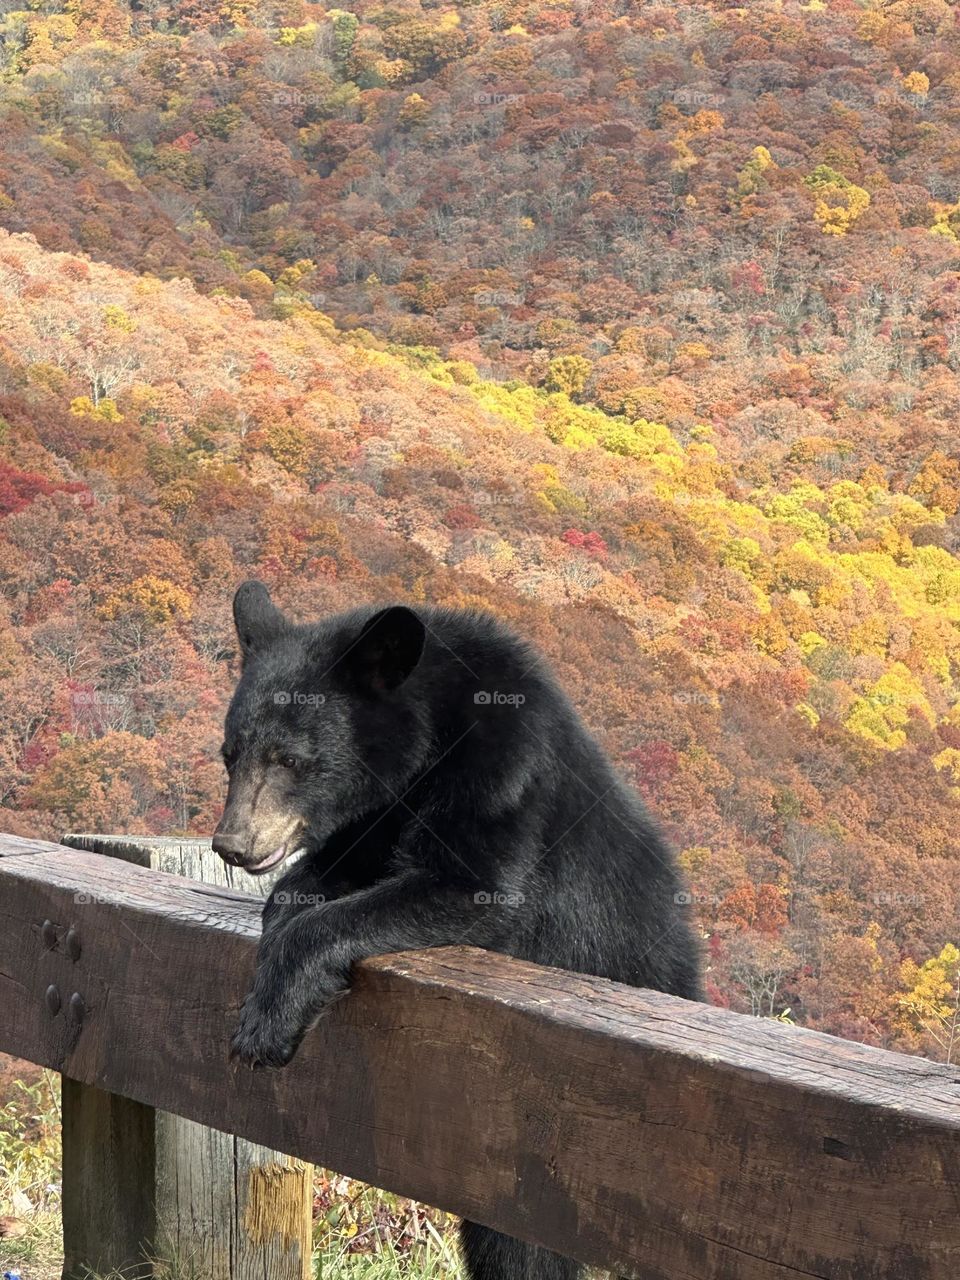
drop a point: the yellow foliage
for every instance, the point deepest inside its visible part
(630, 341)
(685, 157)
(695, 351)
(694, 859)
(793, 509)
(743, 554)
(304, 37)
(870, 636)
(948, 758)
(848, 505)
(414, 110)
(156, 599)
(770, 635)
(106, 410)
(881, 715)
(932, 1001)
(946, 220)
(702, 122)
(391, 70)
(115, 317)
(838, 201)
(916, 82)
(258, 280)
(749, 177)
(462, 372)
(809, 642)
(568, 374)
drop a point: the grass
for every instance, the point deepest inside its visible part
(431, 1259)
(30, 1176)
(361, 1233)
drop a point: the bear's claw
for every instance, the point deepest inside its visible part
(258, 1044)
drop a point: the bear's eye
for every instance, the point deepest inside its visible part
(228, 755)
(289, 762)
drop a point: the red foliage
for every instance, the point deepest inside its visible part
(653, 764)
(462, 517)
(19, 488)
(592, 543)
(186, 141)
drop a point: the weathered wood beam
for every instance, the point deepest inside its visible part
(633, 1130)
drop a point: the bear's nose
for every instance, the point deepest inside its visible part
(230, 847)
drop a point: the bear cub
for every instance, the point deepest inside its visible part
(441, 790)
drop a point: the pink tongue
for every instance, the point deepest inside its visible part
(269, 861)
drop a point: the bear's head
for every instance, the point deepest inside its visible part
(321, 729)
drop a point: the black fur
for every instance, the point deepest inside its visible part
(445, 791)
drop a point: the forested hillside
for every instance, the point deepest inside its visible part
(637, 324)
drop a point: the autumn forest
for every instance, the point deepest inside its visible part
(636, 324)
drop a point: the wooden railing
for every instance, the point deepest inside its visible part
(635, 1131)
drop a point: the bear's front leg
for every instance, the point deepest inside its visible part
(303, 964)
(301, 887)
(298, 976)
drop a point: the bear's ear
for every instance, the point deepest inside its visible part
(257, 618)
(387, 649)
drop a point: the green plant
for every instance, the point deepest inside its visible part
(30, 1141)
(362, 1233)
(30, 1169)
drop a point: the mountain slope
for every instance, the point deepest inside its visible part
(776, 672)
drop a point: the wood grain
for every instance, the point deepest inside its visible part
(663, 1139)
(109, 1210)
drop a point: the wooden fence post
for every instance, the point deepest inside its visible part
(225, 1208)
(109, 1214)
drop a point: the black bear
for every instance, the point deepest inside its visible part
(443, 790)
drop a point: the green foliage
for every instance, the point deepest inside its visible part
(30, 1138)
(345, 26)
(750, 177)
(882, 714)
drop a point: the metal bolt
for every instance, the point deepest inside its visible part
(53, 1000)
(77, 1007)
(48, 934)
(72, 944)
